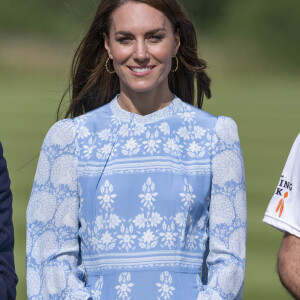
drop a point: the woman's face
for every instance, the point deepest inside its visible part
(141, 43)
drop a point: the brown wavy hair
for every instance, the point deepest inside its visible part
(91, 86)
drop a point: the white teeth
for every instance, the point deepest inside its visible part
(140, 70)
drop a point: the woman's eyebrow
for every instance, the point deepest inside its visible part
(155, 31)
(147, 33)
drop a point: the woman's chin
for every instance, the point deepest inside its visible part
(143, 87)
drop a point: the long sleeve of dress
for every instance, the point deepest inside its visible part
(8, 277)
(224, 275)
(54, 269)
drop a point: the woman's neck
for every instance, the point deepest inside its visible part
(144, 103)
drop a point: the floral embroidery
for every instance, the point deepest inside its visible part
(187, 116)
(227, 167)
(192, 238)
(184, 133)
(83, 133)
(188, 196)
(173, 147)
(138, 129)
(140, 221)
(124, 286)
(180, 219)
(34, 282)
(199, 132)
(164, 128)
(43, 171)
(124, 130)
(113, 221)
(195, 150)
(149, 195)
(106, 198)
(162, 222)
(104, 151)
(104, 135)
(151, 145)
(165, 288)
(153, 221)
(126, 237)
(107, 242)
(168, 235)
(131, 147)
(89, 148)
(97, 292)
(148, 240)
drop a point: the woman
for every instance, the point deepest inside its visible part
(141, 195)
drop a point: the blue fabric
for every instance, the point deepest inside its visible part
(136, 207)
(8, 278)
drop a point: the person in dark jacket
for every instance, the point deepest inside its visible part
(8, 277)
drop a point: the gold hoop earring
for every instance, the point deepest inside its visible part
(177, 64)
(106, 67)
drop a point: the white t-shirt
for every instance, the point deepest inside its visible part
(283, 211)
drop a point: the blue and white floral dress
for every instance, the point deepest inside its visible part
(136, 207)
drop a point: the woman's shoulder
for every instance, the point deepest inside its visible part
(226, 122)
(65, 130)
(62, 126)
(60, 133)
(196, 112)
(201, 116)
(102, 113)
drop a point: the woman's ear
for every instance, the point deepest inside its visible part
(177, 42)
(106, 45)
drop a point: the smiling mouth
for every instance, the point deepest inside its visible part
(141, 70)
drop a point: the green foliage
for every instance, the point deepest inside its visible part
(206, 14)
(45, 17)
(272, 25)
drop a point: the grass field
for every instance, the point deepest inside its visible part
(265, 105)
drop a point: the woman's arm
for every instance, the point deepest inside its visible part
(288, 264)
(227, 224)
(8, 277)
(54, 267)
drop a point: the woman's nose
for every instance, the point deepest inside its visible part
(141, 51)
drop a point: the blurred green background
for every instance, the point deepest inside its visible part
(252, 49)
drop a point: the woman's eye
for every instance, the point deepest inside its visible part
(156, 38)
(123, 40)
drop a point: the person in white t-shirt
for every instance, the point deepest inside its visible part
(283, 213)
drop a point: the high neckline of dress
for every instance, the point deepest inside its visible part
(158, 115)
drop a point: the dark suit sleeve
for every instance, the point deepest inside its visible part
(8, 278)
